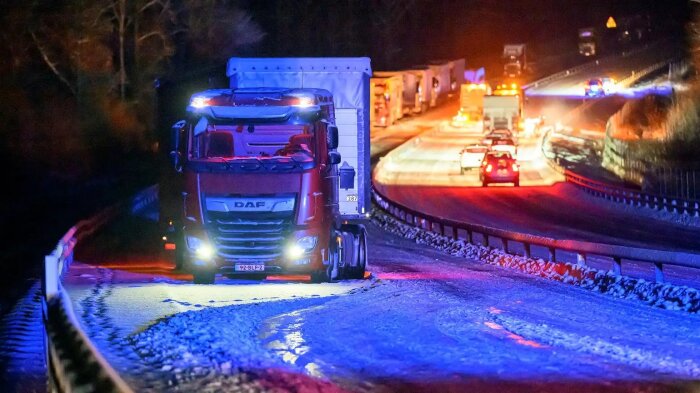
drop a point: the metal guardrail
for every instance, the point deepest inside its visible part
(458, 230)
(634, 197)
(585, 66)
(74, 363)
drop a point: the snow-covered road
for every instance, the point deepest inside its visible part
(424, 321)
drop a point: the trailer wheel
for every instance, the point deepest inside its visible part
(202, 276)
(358, 271)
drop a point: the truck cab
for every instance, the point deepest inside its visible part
(262, 177)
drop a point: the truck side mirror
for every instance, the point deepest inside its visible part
(333, 137)
(177, 160)
(177, 136)
(334, 158)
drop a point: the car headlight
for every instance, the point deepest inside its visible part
(201, 248)
(301, 246)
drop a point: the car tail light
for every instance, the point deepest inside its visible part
(489, 168)
(516, 168)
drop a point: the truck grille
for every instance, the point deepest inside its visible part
(258, 237)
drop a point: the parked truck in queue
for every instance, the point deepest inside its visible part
(275, 171)
(503, 108)
(386, 100)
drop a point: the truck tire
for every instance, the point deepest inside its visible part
(179, 256)
(203, 276)
(332, 271)
(357, 272)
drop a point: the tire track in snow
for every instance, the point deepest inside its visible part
(655, 361)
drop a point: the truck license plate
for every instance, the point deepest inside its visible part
(239, 267)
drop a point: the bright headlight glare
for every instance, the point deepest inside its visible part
(302, 245)
(294, 251)
(201, 248)
(205, 251)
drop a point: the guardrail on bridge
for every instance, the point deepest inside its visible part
(458, 230)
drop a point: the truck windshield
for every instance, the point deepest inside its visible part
(260, 141)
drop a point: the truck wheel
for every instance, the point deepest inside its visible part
(358, 272)
(517, 183)
(179, 256)
(360, 236)
(320, 276)
(484, 184)
(332, 271)
(203, 276)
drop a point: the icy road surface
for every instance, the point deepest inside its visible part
(425, 321)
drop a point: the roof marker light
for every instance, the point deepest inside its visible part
(305, 102)
(199, 102)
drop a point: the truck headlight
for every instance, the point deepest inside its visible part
(301, 246)
(201, 248)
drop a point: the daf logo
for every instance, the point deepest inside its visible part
(249, 204)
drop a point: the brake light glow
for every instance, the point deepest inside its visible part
(516, 168)
(489, 168)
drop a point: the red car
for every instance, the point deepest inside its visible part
(499, 167)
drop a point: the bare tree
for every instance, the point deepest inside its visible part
(387, 18)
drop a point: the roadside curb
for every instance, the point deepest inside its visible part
(660, 295)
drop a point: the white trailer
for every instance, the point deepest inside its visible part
(456, 74)
(501, 112)
(424, 81)
(348, 80)
(442, 83)
(386, 100)
(410, 97)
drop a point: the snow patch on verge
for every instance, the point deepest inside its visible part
(662, 295)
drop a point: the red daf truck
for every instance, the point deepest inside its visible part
(275, 171)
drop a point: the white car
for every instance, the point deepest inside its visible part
(505, 144)
(471, 157)
(497, 134)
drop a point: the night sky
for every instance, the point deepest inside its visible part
(474, 29)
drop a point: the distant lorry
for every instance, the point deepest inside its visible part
(515, 60)
(504, 108)
(386, 100)
(456, 75)
(442, 79)
(424, 80)
(471, 103)
(410, 99)
(587, 41)
(275, 171)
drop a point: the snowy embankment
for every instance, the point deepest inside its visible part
(193, 353)
(663, 295)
